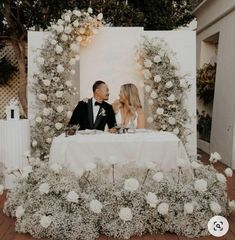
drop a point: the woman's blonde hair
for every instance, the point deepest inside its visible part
(131, 94)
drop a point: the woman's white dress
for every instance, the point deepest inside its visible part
(129, 124)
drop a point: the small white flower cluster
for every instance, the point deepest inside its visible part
(168, 112)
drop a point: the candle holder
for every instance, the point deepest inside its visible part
(71, 130)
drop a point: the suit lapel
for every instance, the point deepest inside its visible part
(90, 113)
(99, 116)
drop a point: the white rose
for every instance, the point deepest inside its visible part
(147, 88)
(72, 197)
(147, 74)
(90, 10)
(157, 59)
(40, 60)
(58, 49)
(100, 16)
(200, 185)
(34, 143)
(158, 177)
(221, 178)
(38, 119)
(160, 111)
(163, 208)
(161, 53)
(214, 157)
(68, 83)
(148, 63)
(46, 111)
(53, 42)
(19, 211)
(180, 162)
(48, 140)
(151, 199)
(59, 94)
(231, 205)
(82, 30)
(172, 120)
(60, 29)
(153, 95)
(60, 68)
(46, 82)
(55, 167)
(112, 160)
(79, 172)
(77, 13)
(42, 97)
(195, 165)
(169, 84)
(157, 78)
(45, 221)
(150, 120)
(44, 188)
(69, 114)
(90, 166)
(75, 23)
(58, 126)
(183, 83)
(131, 184)
(176, 131)
(74, 47)
(150, 101)
(150, 165)
(188, 208)
(72, 61)
(125, 214)
(79, 39)
(96, 206)
(64, 38)
(215, 207)
(1, 189)
(68, 29)
(60, 108)
(60, 22)
(67, 18)
(228, 172)
(171, 98)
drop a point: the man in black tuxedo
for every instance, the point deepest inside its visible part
(95, 113)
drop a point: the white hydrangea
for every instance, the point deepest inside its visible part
(45, 221)
(151, 199)
(150, 165)
(131, 184)
(221, 178)
(125, 214)
(55, 167)
(214, 157)
(157, 78)
(96, 206)
(228, 172)
(148, 63)
(163, 208)
(19, 212)
(160, 111)
(200, 185)
(215, 207)
(188, 208)
(44, 188)
(72, 196)
(158, 177)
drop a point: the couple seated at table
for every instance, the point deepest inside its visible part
(95, 113)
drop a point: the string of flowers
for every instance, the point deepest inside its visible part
(52, 85)
(165, 87)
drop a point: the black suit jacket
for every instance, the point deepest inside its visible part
(83, 115)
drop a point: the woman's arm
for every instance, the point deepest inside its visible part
(140, 118)
(115, 106)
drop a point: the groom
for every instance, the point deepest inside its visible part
(95, 113)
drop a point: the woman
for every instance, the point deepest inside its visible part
(128, 108)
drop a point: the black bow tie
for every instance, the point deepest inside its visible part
(98, 103)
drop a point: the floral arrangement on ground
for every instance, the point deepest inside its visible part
(52, 202)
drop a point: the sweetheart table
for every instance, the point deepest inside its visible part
(162, 148)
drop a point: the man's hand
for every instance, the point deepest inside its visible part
(113, 130)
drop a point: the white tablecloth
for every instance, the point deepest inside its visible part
(14, 141)
(163, 148)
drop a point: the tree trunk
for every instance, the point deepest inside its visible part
(19, 49)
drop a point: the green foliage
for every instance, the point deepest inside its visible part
(206, 83)
(7, 70)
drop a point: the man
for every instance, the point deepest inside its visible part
(95, 113)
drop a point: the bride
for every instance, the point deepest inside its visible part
(128, 108)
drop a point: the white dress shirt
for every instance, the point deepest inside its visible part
(96, 109)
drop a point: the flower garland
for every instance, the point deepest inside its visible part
(53, 85)
(165, 88)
